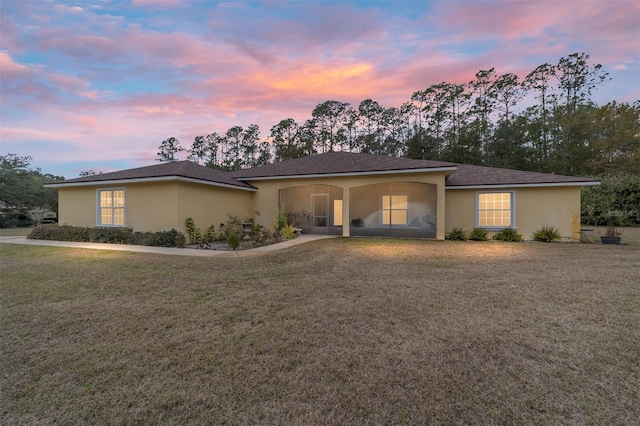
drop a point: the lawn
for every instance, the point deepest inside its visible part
(344, 331)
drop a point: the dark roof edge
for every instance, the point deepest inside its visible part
(525, 185)
(62, 184)
(345, 174)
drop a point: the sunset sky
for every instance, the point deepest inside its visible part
(99, 84)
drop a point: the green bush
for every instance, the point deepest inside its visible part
(61, 233)
(197, 237)
(546, 234)
(281, 219)
(478, 234)
(615, 202)
(234, 239)
(171, 238)
(211, 234)
(288, 233)
(234, 224)
(508, 234)
(456, 234)
(192, 231)
(112, 235)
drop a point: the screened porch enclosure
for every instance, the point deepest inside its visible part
(316, 209)
(393, 209)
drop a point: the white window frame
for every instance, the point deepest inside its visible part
(512, 210)
(99, 209)
(390, 209)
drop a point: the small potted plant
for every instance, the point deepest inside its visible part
(611, 235)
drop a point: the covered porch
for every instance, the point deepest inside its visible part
(390, 209)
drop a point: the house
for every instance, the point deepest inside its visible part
(337, 193)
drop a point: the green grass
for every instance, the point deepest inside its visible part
(346, 331)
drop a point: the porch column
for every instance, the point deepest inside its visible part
(440, 202)
(345, 212)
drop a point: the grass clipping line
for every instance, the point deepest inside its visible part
(347, 331)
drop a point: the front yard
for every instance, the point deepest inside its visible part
(345, 331)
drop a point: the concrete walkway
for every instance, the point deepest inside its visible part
(170, 251)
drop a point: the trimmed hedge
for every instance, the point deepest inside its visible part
(172, 238)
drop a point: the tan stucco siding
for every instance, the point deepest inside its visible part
(534, 207)
(77, 206)
(157, 206)
(148, 206)
(266, 198)
(211, 205)
(151, 206)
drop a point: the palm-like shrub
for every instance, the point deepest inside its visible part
(508, 234)
(457, 234)
(478, 234)
(546, 234)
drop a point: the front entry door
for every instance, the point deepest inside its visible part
(320, 213)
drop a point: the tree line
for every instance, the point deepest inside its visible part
(23, 198)
(545, 122)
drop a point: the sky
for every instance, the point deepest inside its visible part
(98, 85)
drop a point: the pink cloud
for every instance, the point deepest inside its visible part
(243, 63)
(11, 69)
(156, 3)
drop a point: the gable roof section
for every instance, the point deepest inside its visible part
(177, 170)
(340, 164)
(468, 176)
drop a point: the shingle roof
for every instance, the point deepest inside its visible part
(337, 163)
(467, 175)
(333, 163)
(177, 169)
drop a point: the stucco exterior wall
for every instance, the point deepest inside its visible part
(266, 198)
(210, 205)
(77, 206)
(534, 207)
(156, 206)
(148, 206)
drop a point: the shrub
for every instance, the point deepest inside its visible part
(234, 224)
(283, 230)
(508, 234)
(234, 239)
(171, 238)
(456, 234)
(211, 235)
(112, 235)
(546, 234)
(288, 233)
(478, 234)
(281, 220)
(357, 223)
(192, 231)
(61, 233)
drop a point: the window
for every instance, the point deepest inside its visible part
(111, 207)
(337, 212)
(495, 209)
(395, 209)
